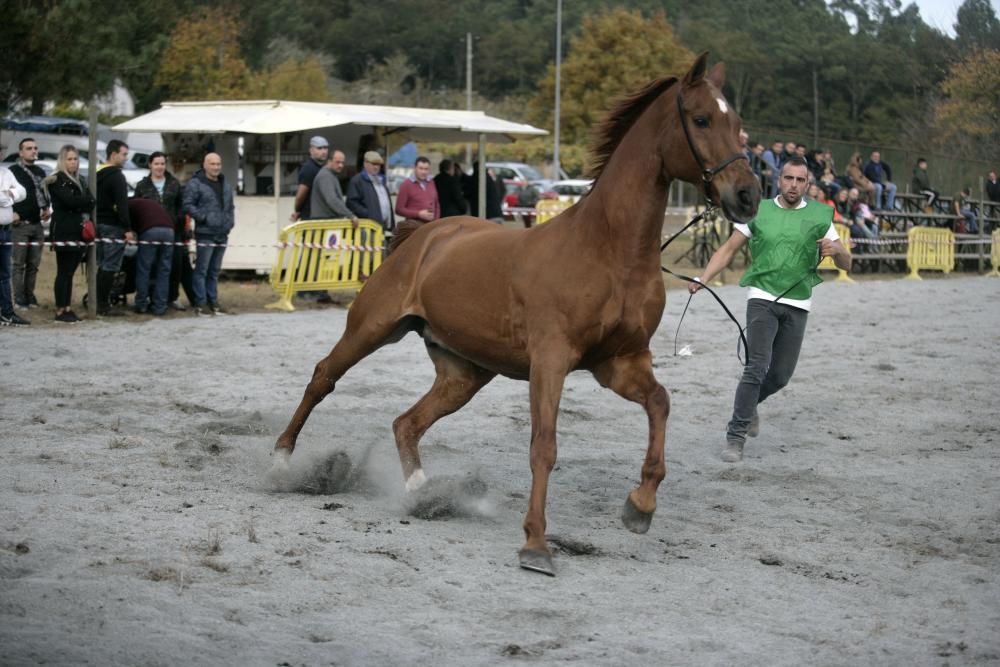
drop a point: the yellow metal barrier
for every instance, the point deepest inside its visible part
(548, 209)
(324, 255)
(929, 248)
(827, 263)
(995, 253)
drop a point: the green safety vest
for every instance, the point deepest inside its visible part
(783, 248)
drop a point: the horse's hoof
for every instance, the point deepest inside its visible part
(537, 561)
(634, 519)
(279, 472)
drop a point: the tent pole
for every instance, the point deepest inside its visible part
(277, 182)
(481, 186)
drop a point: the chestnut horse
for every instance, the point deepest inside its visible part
(582, 292)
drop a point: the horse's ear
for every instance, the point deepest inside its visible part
(697, 71)
(717, 75)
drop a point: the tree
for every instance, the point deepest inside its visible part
(969, 116)
(977, 26)
(56, 51)
(202, 60)
(614, 53)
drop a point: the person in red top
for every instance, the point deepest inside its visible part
(418, 198)
(155, 228)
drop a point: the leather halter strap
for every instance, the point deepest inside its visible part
(707, 174)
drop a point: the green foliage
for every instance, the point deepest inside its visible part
(637, 49)
(977, 26)
(969, 115)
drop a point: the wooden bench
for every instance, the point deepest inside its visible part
(898, 219)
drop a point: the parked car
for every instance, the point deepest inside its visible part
(519, 171)
(572, 189)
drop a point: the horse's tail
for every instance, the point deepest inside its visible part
(402, 232)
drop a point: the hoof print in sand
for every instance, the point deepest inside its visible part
(449, 497)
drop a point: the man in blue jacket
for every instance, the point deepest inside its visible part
(208, 199)
(367, 195)
(880, 175)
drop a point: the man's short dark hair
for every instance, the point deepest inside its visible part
(796, 161)
(20, 144)
(156, 154)
(921, 159)
(114, 146)
(425, 160)
(445, 166)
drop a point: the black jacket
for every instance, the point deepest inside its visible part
(112, 197)
(70, 204)
(172, 199)
(28, 208)
(449, 190)
(993, 191)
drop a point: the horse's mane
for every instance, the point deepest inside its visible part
(402, 232)
(622, 116)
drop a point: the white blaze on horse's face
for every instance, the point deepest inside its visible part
(723, 107)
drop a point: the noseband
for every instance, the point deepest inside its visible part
(706, 174)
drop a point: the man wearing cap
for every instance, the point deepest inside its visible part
(367, 195)
(318, 149)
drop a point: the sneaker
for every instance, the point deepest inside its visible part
(67, 317)
(217, 309)
(733, 451)
(178, 306)
(75, 316)
(140, 310)
(20, 305)
(203, 310)
(754, 429)
(14, 320)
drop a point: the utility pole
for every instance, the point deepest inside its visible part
(468, 89)
(555, 149)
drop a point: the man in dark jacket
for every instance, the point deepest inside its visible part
(494, 211)
(880, 174)
(208, 199)
(449, 189)
(113, 226)
(367, 194)
(33, 210)
(162, 187)
(922, 183)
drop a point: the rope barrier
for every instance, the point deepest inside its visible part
(203, 244)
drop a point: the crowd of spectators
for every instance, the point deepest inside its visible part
(865, 192)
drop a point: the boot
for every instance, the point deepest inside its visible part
(105, 279)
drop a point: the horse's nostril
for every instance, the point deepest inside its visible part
(744, 197)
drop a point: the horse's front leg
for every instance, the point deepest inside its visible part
(546, 384)
(631, 377)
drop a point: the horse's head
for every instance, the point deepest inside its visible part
(706, 152)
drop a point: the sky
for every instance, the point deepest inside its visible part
(940, 14)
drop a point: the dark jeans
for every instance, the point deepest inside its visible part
(153, 261)
(6, 253)
(67, 260)
(110, 253)
(774, 337)
(207, 266)
(27, 258)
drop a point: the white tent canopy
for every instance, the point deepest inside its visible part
(279, 116)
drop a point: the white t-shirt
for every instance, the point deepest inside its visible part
(756, 292)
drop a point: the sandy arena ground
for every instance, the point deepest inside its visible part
(137, 526)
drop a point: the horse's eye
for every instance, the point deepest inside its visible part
(700, 121)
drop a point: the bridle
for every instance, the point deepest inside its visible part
(707, 174)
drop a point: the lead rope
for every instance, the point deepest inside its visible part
(743, 338)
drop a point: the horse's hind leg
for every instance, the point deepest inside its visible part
(357, 342)
(632, 378)
(456, 383)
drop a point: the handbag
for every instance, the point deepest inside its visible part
(88, 230)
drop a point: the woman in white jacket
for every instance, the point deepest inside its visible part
(11, 192)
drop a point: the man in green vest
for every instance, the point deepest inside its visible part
(787, 239)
